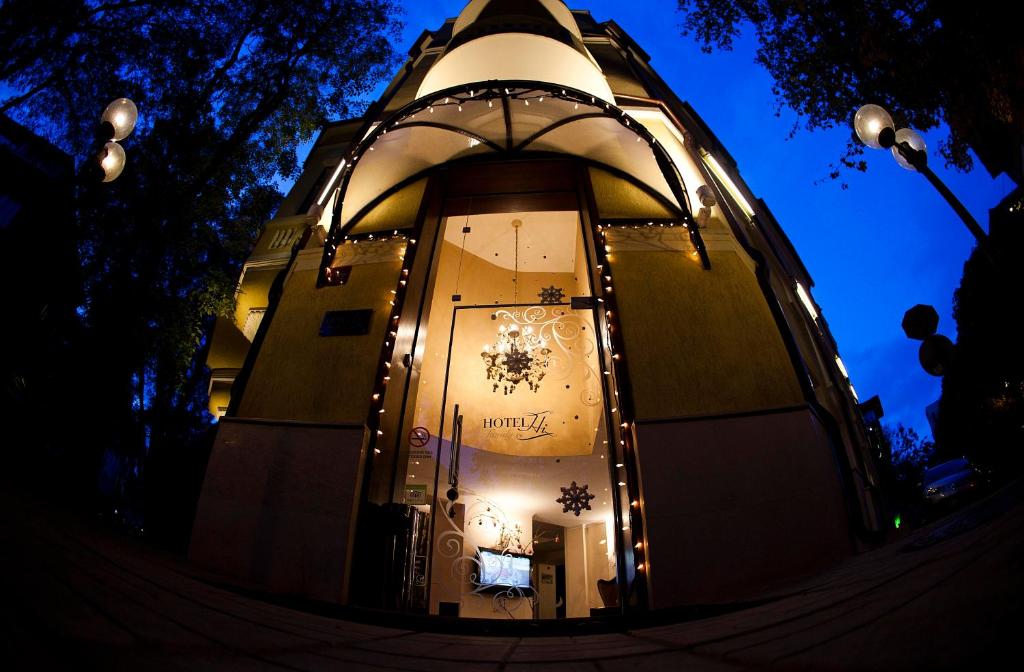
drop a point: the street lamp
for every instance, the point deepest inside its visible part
(116, 123)
(875, 129)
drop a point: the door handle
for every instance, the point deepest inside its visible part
(453, 461)
(456, 449)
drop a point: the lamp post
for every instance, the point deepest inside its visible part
(875, 129)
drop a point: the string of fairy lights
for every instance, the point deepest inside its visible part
(621, 411)
(622, 416)
(508, 93)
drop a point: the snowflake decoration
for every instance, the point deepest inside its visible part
(551, 294)
(575, 498)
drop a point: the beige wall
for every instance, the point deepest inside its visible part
(586, 561)
(228, 346)
(734, 505)
(699, 342)
(253, 292)
(276, 506)
(576, 605)
(300, 375)
(618, 199)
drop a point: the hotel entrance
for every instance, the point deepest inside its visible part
(508, 468)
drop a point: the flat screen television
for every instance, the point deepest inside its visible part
(503, 570)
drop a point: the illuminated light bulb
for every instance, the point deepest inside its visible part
(625, 425)
(640, 567)
(616, 356)
(113, 161)
(122, 115)
(380, 433)
(376, 397)
(526, 101)
(576, 106)
(622, 484)
(635, 503)
(381, 411)
(490, 103)
(619, 465)
(541, 99)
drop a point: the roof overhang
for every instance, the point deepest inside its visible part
(500, 118)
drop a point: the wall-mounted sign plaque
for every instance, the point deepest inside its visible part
(346, 322)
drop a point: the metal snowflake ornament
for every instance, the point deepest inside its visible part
(575, 498)
(552, 294)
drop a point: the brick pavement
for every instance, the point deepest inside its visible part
(950, 596)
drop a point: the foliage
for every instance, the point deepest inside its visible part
(226, 90)
(927, 62)
(981, 414)
(905, 455)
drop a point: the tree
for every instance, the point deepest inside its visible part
(227, 89)
(905, 455)
(927, 62)
(981, 414)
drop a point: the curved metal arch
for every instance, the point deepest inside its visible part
(589, 163)
(448, 127)
(505, 91)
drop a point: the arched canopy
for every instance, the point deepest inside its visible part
(501, 118)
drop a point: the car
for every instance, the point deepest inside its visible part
(955, 479)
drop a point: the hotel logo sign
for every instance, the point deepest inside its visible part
(525, 427)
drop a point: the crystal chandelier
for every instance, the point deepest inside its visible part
(519, 355)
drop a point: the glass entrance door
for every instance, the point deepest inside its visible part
(523, 488)
(510, 408)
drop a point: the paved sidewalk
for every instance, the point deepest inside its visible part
(950, 596)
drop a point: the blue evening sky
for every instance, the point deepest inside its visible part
(887, 242)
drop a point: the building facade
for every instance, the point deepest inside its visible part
(520, 343)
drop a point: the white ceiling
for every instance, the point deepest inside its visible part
(547, 240)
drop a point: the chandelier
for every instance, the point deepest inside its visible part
(519, 355)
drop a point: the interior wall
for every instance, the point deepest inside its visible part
(600, 561)
(577, 601)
